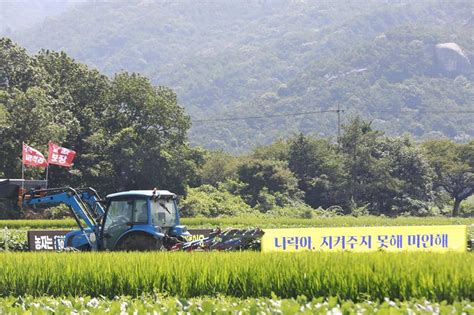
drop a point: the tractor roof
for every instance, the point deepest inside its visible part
(146, 193)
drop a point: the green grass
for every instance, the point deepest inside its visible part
(38, 224)
(150, 304)
(357, 277)
(263, 222)
(340, 221)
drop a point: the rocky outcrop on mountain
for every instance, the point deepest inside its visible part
(451, 59)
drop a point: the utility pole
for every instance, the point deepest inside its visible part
(338, 111)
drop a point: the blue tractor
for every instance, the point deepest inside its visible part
(132, 220)
(140, 220)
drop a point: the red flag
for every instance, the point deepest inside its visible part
(33, 157)
(60, 156)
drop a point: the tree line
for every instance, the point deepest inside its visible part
(130, 134)
(364, 172)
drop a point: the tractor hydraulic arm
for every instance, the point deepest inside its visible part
(81, 209)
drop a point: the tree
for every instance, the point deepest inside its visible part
(218, 167)
(128, 133)
(453, 165)
(17, 69)
(3, 116)
(209, 201)
(278, 150)
(268, 183)
(3, 121)
(390, 176)
(33, 118)
(407, 188)
(318, 168)
(143, 138)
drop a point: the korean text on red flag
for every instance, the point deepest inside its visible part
(33, 157)
(60, 156)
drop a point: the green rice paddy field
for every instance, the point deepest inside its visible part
(240, 282)
(264, 222)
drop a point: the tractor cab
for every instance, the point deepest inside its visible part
(134, 220)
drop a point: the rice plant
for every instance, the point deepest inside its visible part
(374, 276)
(264, 222)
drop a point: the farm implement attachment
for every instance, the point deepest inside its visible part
(227, 240)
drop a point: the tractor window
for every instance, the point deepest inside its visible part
(120, 212)
(123, 211)
(163, 212)
(140, 213)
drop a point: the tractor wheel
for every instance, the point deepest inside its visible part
(139, 242)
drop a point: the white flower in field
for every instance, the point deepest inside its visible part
(67, 303)
(318, 305)
(93, 303)
(123, 306)
(392, 304)
(275, 303)
(48, 309)
(420, 307)
(334, 311)
(429, 308)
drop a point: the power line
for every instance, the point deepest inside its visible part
(266, 116)
(338, 111)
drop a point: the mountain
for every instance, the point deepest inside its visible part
(16, 15)
(406, 65)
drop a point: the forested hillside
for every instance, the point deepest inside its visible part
(406, 65)
(20, 14)
(130, 134)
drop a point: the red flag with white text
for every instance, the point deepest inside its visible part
(33, 157)
(60, 156)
